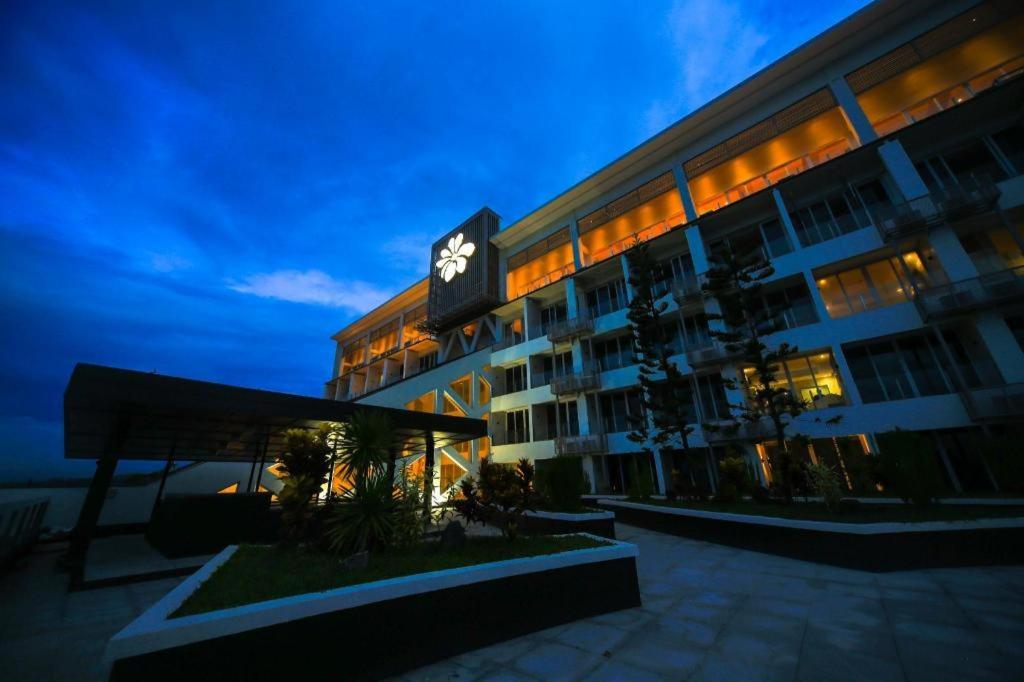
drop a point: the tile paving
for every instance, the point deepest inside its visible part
(710, 613)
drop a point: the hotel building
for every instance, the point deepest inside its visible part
(880, 167)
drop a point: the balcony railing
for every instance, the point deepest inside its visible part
(971, 294)
(587, 379)
(713, 353)
(509, 341)
(543, 281)
(626, 243)
(687, 293)
(513, 437)
(968, 197)
(744, 431)
(576, 327)
(996, 403)
(593, 444)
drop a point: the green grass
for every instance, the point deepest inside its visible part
(259, 573)
(864, 513)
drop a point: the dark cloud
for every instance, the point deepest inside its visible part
(157, 161)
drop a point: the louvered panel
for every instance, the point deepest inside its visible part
(927, 45)
(788, 118)
(538, 249)
(627, 202)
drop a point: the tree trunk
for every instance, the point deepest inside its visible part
(428, 479)
(785, 470)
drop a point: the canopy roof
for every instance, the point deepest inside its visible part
(110, 412)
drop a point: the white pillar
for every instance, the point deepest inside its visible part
(572, 304)
(574, 239)
(625, 275)
(902, 170)
(787, 222)
(819, 302)
(588, 470)
(684, 193)
(698, 253)
(955, 261)
(1002, 345)
(846, 376)
(855, 117)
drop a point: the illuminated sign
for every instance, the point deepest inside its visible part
(454, 257)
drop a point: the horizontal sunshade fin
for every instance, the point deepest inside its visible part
(790, 117)
(627, 202)
(949, 34)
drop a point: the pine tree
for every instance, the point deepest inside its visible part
(664, 389)
(735, 281)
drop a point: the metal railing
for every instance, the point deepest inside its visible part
(969, 294)
(514, 437)
(744, 431)
(969, 196)
(592, 444)
(712, 354)
(509, 341)
(581, 325)
(587, 379)
(20, 523)
(687, 293)
(996, 402)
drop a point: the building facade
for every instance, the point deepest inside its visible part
(881, 169)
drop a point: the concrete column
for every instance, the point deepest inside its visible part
(955, 261)
(659, 473)
(902, 170)
(698, 253)
(849, 387)
(588, 470)
(584, 416)
(572, 304)
(531, 318)
(787, 222)
(852, 112)
(684, 193)
(574, 238)
(401, 329)
(819, 302)
(625, 275)
(1002, 345)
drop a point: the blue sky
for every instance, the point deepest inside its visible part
(212, 189)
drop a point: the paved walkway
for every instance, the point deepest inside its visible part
(716, 613)
(710, 612)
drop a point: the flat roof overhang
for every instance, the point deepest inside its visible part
(131, 415)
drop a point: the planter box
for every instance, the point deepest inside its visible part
(600, 523)
(375, 629)
(869, 547)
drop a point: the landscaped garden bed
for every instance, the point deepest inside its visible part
(360, 586)
(867, 538)
(595, 521)
(371, 626)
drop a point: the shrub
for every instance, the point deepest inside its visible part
(760, 494)
(502, 495)
(683, 486)
(562, 483)
(363, 518)
(825, 482)
(408, 511)
(304, 464)
(908, 468)
(732, 479)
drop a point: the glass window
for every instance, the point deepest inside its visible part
(1016, 325)
(695, 331)
(1011, 144)
(890, 371)
(607, 298)
(832, 294)
(515, 379)
(517, 426)
(887, 284)
(920, 361)
(864, 375)
(776, 238)
(552, 314)
(855, 286)
(713, 401)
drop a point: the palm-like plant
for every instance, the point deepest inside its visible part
(365, 444)
(364, 518)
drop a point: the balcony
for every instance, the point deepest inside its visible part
(687, 293)
(587, 379)
(998, 403)
(712, 354)
(971, 294)
(593, 444)
(731, 431)
(949, 204)
(510, 340)
(566, 330)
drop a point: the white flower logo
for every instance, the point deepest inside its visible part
(453, 259)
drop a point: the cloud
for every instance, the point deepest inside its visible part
(717, 43)
(315, 287)
(409, 251)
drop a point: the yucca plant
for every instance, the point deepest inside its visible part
(365, 444)
(364, 516)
